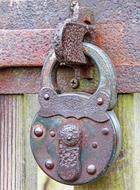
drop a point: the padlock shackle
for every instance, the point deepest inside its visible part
(107, 82)
(106, 71)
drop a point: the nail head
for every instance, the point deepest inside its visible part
(46, 96)
(52, 133)
(94, 144)
(105, 131)
(91, 169)
(38, 131)
(49, 164)
(100, 101)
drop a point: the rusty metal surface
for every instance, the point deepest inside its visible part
(68, 42)
(24, 48)
(20, 80)
(71, 104)
(70, 35)
(107, 81)
(33, 14)
(69, 166)
(117, 33)
(49, 13)
(78, 114)
(117, 23)
(28, 80)
(46, 149)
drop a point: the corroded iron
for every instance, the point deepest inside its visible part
(70, 104)
(107, 84)
(70, 35)
(71, 161)
(68, 46)
(87, 136)
(69, 166)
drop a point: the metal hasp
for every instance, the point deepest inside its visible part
(70, 34)
(76, 137)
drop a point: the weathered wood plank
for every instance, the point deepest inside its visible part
(18, 169)
(124, 175)
(136, 143)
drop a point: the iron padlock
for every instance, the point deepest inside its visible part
(76, 137)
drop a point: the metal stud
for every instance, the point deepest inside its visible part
(91, 169)
(52, 133)
(105, 131)
(49, 164)
(46, 96)
(94, 144)
(38, 131)
(69, 137)
(100, 101)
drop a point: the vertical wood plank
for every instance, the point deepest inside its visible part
(136, 143)
(30, 107)
(18, 169)
(124, 174)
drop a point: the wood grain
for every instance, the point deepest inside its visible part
(18, 169)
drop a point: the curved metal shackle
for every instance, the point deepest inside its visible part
(107, 82)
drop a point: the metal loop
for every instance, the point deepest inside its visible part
(107, 82)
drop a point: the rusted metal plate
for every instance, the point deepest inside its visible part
(19, 80)
(93, 152)
(90, 107)
(21, 14)
(28, 80)
(68, 43)
(21, 48)
(71, 33)
(26, 38)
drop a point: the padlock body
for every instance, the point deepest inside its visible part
(74, 151)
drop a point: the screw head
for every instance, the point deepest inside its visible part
(46, 96)
(100, 101)
(52, 133)
(91, 169)
(49, 164)
(94, 144)
(74, 83)
(105, 131)
(38, 131)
